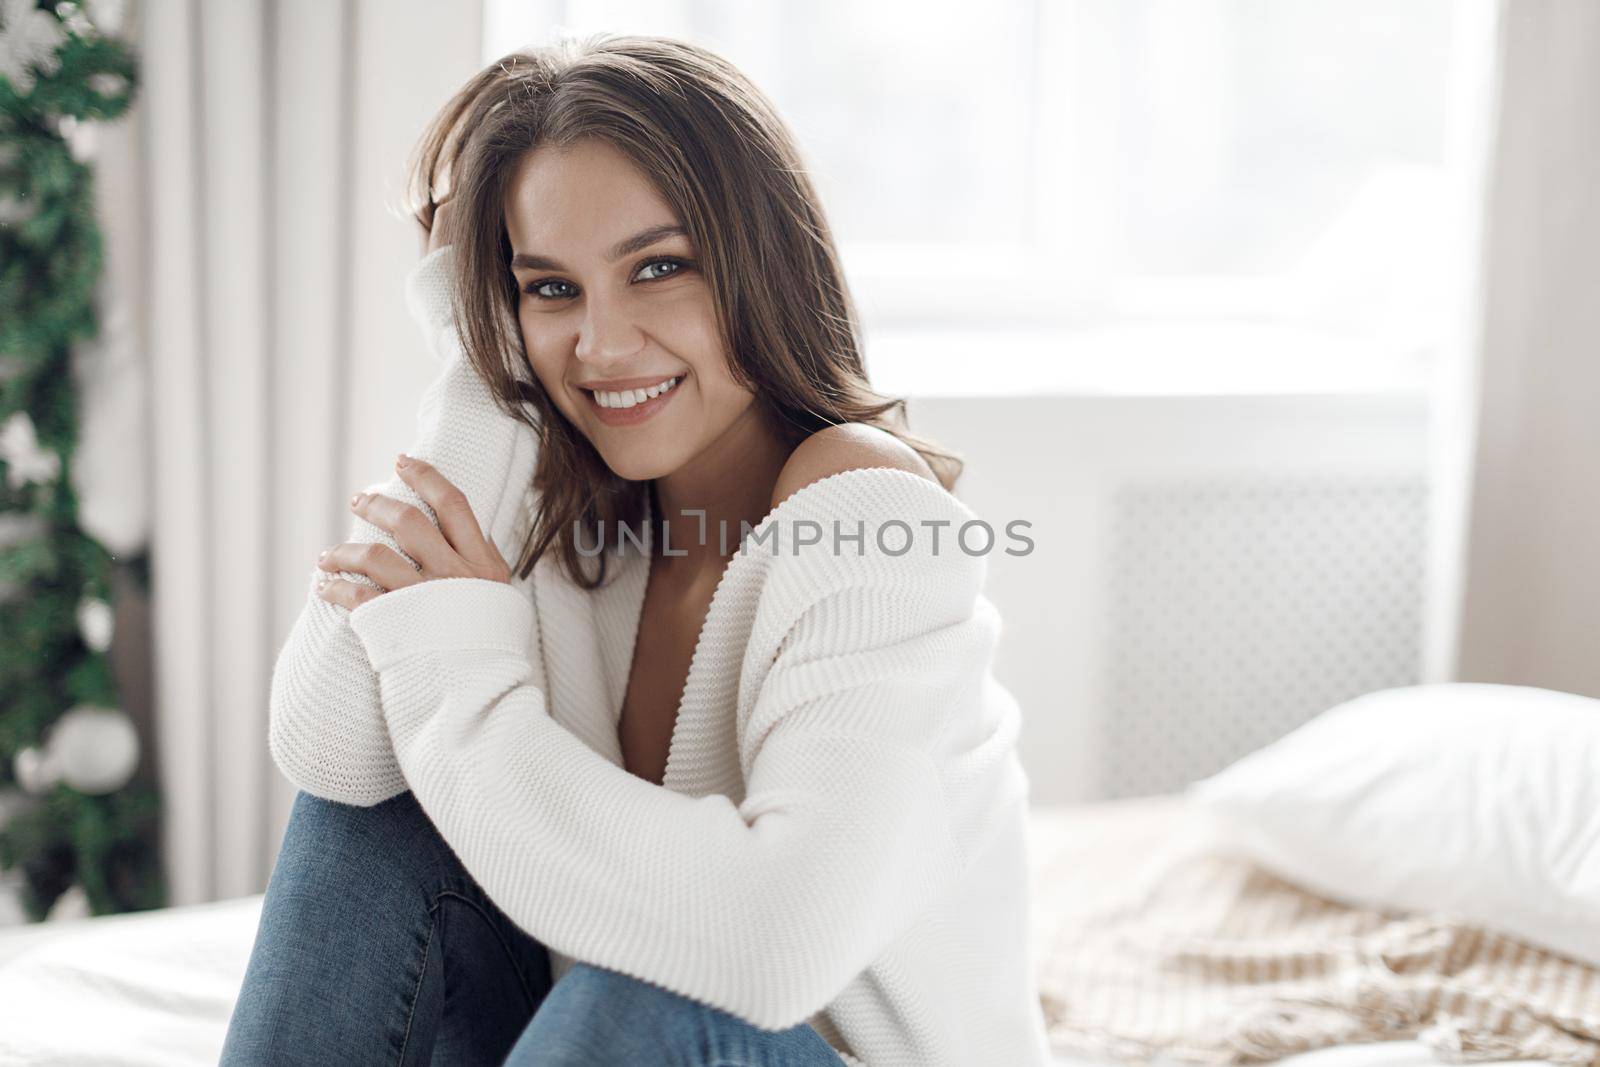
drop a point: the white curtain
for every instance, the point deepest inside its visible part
(282, 371)
(1529, 598)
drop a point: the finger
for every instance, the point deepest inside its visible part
(417, 537)
(379, 562)
(502, 568)
(439, 230)
(425, 217)
(346, 594)
(453, 510)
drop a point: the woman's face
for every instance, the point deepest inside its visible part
(611, 300)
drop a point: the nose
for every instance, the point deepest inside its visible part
(607, 337)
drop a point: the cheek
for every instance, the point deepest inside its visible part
(721, 400)
(543, 350)
(688, 329)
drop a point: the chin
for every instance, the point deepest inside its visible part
(640, 462)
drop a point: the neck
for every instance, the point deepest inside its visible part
(731, 481)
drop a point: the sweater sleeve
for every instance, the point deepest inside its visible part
(326, 730)
(766, 908)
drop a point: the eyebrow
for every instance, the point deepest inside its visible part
(628, 245)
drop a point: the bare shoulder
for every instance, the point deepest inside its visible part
(847, 446)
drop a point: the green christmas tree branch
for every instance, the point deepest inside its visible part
(50, 264)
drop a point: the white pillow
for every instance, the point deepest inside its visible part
(1483, 800)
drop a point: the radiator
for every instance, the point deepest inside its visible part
(1238, 609)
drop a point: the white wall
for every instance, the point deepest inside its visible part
(1056, 461)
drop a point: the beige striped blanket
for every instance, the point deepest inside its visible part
(1214, 961)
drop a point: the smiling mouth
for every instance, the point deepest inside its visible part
(626, 408)
(623, 399)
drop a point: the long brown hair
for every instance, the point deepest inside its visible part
(720, 155)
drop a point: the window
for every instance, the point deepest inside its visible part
(1120, 195)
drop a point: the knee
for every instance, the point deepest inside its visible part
(391, 842)
(594, 1015)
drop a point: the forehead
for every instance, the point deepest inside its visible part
(579, 199)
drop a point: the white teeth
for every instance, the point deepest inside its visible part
(629, 398)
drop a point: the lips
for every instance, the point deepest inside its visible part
(626, 413)
(637, 391)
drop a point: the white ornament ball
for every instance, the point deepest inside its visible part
(93, 750)
(96, 621)
(30, 770)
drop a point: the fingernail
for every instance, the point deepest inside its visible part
(323, 554)
(355, 501)
(402, 460)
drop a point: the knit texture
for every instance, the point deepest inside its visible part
(322, 680)
(839, 837)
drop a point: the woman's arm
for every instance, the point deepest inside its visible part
(326, 729)
(766, 908)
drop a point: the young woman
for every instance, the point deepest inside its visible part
(718, 772)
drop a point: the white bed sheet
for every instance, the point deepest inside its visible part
(153, 989)
(156, 989)
(1375, 1054)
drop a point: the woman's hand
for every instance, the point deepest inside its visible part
(437, 234)
(456, 548)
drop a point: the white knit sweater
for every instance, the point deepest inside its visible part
(839, 838)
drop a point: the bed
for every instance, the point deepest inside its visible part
(156, 989)
(1412, 877)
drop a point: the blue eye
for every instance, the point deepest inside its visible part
(539, 288)
(673, 263)
(534, 288)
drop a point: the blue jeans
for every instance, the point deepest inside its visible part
(376, 947)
